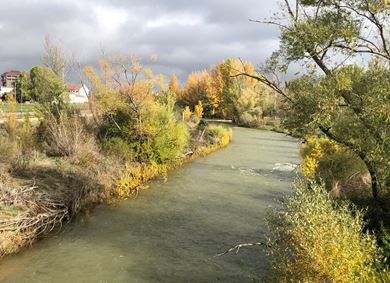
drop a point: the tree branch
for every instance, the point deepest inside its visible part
(238, 247)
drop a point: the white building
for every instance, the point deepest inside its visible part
(5, 90)
(7, 82)
(78, 93)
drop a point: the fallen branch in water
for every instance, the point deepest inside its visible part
(238, 247)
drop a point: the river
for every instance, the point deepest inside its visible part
(172, 231)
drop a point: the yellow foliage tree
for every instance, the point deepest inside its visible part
(187, 113)
(199, 110)
(195, 88)
(174, 86)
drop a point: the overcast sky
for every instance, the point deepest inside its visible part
(185, 35)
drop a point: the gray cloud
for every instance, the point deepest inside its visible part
(185, 35)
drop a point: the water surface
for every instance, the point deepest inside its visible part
(173, 230)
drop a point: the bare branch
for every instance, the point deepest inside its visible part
(270, 23)
(238, 247)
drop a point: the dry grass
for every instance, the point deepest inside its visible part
(64, 136)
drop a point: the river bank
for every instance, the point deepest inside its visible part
(46, 193)
(172, 232)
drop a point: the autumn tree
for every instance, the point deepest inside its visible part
(240, 96)
(214, 90)
(174, 86)
(198, 111)
(196, 88)
(134, 110)
(187, 113)
(225, 94)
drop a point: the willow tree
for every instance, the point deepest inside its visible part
(347, 103)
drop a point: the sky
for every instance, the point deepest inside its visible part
(184, 35)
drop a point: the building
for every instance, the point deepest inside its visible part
(8, 78)
(78, 93)
(7, 82)
(5, 90)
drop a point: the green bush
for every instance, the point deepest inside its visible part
(119, 147)
(314, 239)
(152, 135)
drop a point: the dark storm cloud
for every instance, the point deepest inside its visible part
(185, 35)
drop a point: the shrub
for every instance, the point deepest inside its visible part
(12, 122)
(269, 111)
(220, 135)
(158, 138)
(187, 113)
(314, 239)
(119, 147)
(135, 176)
(171, 142)
(8, 149)
(26, 137)
(62, 136)
(249, 120)
(324, 159)
(17, 143)
(199, 110)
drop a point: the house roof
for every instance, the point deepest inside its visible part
(12, 73)
(74, 87)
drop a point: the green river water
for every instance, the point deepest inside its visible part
(171, 232)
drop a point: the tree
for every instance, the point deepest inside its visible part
(47, 88)
(174, 86)
(215, 89)
(198, 111)
(195, 88)
(135, 111)
(187, 113)
(336, 102)
(54, 58)
(22, 87)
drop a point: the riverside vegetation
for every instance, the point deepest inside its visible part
(70, 161)
(335, 225)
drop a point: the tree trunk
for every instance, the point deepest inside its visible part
(375, 184)
(374, 180)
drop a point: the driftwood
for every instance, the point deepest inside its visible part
(238, 247)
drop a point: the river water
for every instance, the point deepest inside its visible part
(173, 230)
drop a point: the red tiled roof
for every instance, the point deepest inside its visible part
(12, 73)
(74, 87)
